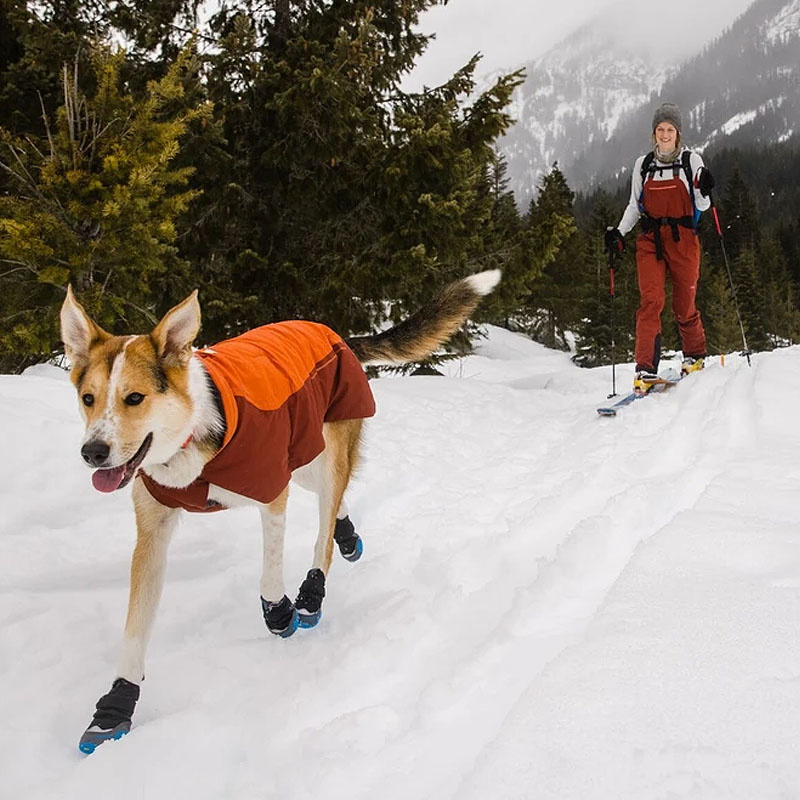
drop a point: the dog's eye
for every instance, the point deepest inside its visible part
(88, 399)
(133, 399)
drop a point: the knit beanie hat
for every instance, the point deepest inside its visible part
(668, 112)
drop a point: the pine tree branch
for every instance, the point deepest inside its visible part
(21, 268)
(26, 178)
(69, 112)
(10, 317)
(199, 221)
(106, 280)
(46, 121)
(147, 315)
(28, 181)
(193, 33)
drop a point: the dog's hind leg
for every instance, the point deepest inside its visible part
(155, 524)
(279, 611)
(330, 476)
(344, 534)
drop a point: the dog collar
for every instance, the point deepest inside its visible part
(188, 439)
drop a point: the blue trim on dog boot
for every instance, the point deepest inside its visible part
(309, 620)
(357, 552)
(281, 617)
(112, 717)
(93, 736)
(350, 544)
(310, 597)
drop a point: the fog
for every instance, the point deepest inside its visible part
(509, 33)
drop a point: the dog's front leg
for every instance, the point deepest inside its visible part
(279, 611)
(154, 524)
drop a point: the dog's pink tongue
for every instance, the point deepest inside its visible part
(106, 480)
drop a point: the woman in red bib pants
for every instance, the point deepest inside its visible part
(669, 188)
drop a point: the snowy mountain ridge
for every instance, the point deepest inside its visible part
(574, 96)
(588, 103)
(784, 24)
(739, 120)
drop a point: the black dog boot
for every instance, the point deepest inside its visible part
(112, 719)
(281, 617)
(350, 545)
(309, 598)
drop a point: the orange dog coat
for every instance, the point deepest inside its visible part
(278, 384)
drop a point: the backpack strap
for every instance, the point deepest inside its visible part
(646, 170)
(686, 163)
(649, 169)
(647, 163)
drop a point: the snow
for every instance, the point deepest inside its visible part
(737, 121)
(741, 119)
(550, 604)
(785, 24)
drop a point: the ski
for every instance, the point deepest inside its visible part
(669, 378)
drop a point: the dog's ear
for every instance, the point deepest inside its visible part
(78, 331)
(177, 330)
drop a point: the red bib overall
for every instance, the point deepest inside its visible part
(664, 199)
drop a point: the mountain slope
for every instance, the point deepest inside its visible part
(573, 98)
(743, 88)
(588, 103)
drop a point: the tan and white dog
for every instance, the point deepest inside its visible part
(209, 429)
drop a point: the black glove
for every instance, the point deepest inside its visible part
(615, 244)
(705, 181)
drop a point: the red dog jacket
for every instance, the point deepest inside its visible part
(278, 384)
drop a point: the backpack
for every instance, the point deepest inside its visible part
(649, 168)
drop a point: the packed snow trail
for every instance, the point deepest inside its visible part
(550, 604)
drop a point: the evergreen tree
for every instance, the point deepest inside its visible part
(600, 322)
(335, 190)
(598, 312)
(36, 40)
(320, 188)
(554, 294)
(96, 205)
(788, 237)
(780, 313)
(507, 246)
(739, 216)
(750, 297)
(723, 334)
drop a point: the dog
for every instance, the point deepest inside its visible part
(230, 425)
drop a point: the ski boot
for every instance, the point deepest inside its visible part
(691, 364)
(643, 381)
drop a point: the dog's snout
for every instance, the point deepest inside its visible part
(95, 453)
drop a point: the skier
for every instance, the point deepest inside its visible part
(670, 187)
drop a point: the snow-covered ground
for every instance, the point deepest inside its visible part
(550, 604)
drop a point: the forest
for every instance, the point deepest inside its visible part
(268, 156)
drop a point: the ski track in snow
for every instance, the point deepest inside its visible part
(550, 604)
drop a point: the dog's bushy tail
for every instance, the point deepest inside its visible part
(415, 338)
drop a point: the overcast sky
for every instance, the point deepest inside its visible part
(511, 32)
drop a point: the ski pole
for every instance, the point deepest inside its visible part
(612, 292)
(746, 352)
